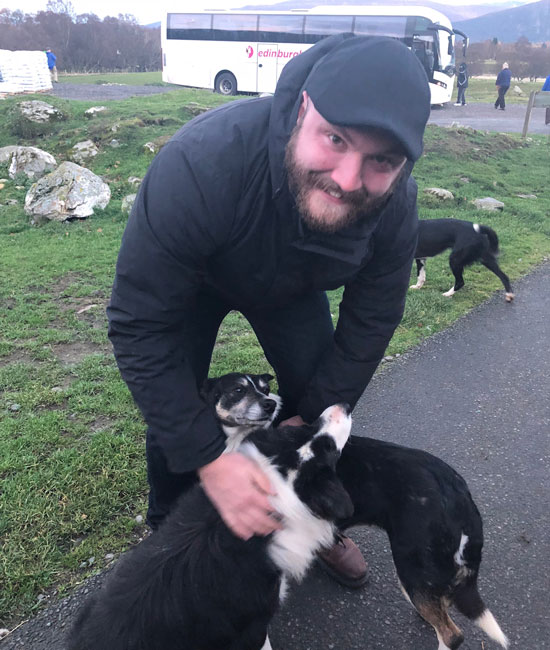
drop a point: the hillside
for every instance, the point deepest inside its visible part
(531, 21)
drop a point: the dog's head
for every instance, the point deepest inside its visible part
(306, 458)
(242, 403)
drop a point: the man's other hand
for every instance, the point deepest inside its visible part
(239, 491)
(294, 421)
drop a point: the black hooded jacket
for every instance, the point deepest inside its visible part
(215, 212)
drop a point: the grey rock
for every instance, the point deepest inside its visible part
(83, 151)
(38, 111)
(6, 153)
(134, 180)
(94, 110)
(68, 192)
(127, 203)
(32, 162)
(444, 195)
(488, 203)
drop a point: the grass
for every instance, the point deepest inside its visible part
(71, 441)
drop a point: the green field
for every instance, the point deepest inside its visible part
(479, 89)
(71, 441)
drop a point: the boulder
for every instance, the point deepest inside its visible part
(94, 110)
(127, 203)
(38, 111)
(83, 151)
(71, 191)
(444, 195)
(32, 162)
(6, 153)
(488, 203)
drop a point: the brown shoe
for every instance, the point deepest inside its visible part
(344, 563)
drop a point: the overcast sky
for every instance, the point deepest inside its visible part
(150, 12)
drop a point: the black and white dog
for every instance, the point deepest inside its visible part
(434, 527)
(469, 243)
(193, 585)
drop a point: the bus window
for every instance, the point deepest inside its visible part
(280, 29)
(188, 26)
(235, 27)
(381, 25)
(317, 27)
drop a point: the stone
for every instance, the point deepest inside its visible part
(134, 180)
(32, 162)
(526, 196)
(488, 203)
(83, 151)
(127, 203)
(94, 110)
(114, 143)
(444, 195)
(71, 191)
(6, 153)
(150, 147)
(518, 91)
(38, 111)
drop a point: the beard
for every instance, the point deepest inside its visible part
(356, 207)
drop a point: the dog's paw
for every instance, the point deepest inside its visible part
(509, 297)
(415, 286)
(449, 293)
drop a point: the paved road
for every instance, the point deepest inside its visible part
(477, 396)
(484, 117)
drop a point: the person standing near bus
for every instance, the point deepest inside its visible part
(260, 206)
(502, 83)
(52, 59)
(462, 84)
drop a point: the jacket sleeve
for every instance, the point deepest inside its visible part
(172, 231)
(371, 309)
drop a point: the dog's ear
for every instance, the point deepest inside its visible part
(207, 387)
(266, 377)
(325, 495)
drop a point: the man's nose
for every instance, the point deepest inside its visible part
(348, 173)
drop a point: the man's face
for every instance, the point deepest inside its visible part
(339, 175)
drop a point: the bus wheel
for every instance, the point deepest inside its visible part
(226, 84)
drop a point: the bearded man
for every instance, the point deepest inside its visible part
(260, 206)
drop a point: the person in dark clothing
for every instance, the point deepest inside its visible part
(260, 206)
(502, 83)
(462, 84)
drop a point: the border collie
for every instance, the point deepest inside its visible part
(425, 507)
(469, 243)
(194, 585)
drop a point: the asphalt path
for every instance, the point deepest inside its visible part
(476, 395)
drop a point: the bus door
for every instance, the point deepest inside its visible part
(266, 70)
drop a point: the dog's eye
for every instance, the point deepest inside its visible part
(265, 390)
(238, 390)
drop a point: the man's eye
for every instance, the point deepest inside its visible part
(335, 139)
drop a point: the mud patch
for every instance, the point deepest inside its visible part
(18, 356)
(101, 423)
(70, 354)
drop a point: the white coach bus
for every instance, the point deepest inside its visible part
(234, 51)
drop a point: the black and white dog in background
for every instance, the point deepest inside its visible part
(469, 243)
(434, 527)
(194, 585)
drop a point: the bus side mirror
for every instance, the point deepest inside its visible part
(450, 49)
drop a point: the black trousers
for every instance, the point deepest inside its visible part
(500, 103)
(461, 97)
(293, 339)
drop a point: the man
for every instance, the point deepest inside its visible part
(260, 206)
(502, 83)
(51, 65)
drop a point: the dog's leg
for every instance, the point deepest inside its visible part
(468, 602)
(434, 611)
(457, 267)
(491, 264)
(420, 273)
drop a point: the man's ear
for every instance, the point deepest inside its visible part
(303, 106)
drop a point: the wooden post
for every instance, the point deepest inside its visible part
(528, 112)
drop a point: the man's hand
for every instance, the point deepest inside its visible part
(239, 491)
(294, 421)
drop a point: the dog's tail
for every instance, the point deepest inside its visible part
(491, 236)
(468, 602)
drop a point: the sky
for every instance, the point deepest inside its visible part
(150, 12)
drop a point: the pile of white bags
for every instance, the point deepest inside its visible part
(24, 71)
